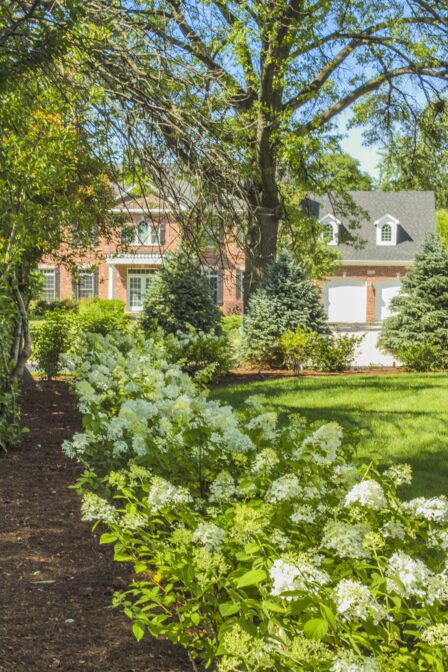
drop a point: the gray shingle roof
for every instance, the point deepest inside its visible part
(415, 211)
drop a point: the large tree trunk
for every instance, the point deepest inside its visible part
(260, 248)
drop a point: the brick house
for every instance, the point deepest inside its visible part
(122, 268)
(390, 228)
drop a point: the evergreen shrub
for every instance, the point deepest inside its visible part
(420, 310)
(286, 299)
(51, 339)
(180, 295)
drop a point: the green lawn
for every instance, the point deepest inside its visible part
(403, 417)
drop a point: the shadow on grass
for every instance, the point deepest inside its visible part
(390, 419)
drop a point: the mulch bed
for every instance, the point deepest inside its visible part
(56, 582)
(243, 376)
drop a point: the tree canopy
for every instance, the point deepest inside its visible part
(242, 97)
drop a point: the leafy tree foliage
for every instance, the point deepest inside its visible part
(417, 157)
(241, 97)
(179, 295)
(287, 299)
(421, 307)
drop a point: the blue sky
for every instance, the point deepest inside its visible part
(368, 157)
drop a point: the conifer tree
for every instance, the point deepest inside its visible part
(287, 299)
(421, 307)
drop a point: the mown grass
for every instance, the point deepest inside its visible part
(403, 418)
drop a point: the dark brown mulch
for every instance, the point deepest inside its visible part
(56, 582)
(243, 376)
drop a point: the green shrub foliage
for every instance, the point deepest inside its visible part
(287, 299)
(257, 546)
(180, 295)
(421, 308)
(307, 349)
(51, 340)
(422, 357)
(204, 355)
(102, 316)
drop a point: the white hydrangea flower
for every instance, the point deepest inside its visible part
(345, 539)
(301, 574)
(164, 494)
(367, 493)
(327, 439)
(284, 488)
(346, 474)
(349, 661)
(266, 423)
(438, 539)
(94, 507)
(265, 461)
(209, 535)
(223, 488)
(434, 510)
(437, 588)
(355, 602)
(436, 635)
(280, 539)
(400, 474)
(77, 446)
(304, 513)
(393, 529)
(407, 577)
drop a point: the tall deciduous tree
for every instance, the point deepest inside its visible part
(243, 95)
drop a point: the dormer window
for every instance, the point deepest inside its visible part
(330, 229)
(386, 230)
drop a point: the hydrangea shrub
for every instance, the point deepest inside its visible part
(255, 546)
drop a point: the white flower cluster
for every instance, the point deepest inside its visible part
(266, 424)
(326, 440)
(284, 488)
(434, 510)
(355, 602)
(412, 578)
(345, 539)
(223, 488)
(305, 513)
(164, 494)
(400, 474)
(209, 535)
(349, 661)
(367, 493)
(436, 635)
(95, 508)
(265, 462)
(301, 574)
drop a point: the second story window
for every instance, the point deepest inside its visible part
(147, 233)
(387, 230)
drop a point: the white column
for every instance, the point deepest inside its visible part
(111, 287)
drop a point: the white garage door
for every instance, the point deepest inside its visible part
(385, 291)
(346, 301)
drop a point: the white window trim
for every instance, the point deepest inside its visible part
(393, 222)
(47, 271)
(335, 224)
(152, 237)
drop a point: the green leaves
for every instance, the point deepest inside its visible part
(315, 628)
(251, 578)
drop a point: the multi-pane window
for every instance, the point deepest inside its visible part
(386, 233)
(85, 284)
(328, 232)
(49, 289)
(149, 234)
(215, 279)
(138, 282)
